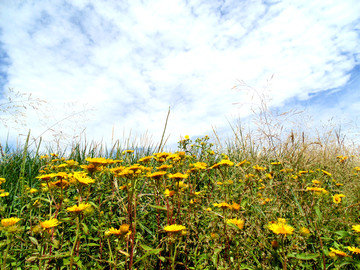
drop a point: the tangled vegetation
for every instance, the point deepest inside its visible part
(195, 208)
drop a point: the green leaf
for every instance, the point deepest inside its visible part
(85, 228)
(34, 240)
(342, 234)
(318, 212)
(303, 256)
(163, 208)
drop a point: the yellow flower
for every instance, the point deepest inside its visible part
(316, 182)
(187, 137)
(337, 198)
(47, 224)
(281, 227)
(169, 193)
(354, 250)
(78, 208)
(199, 165)
(4, 194)
(83, 178)
(178, 176)
(356, 228)
(304, 231)
(235, 206)
(33, 190)
(124, 229)
(98, 161)
(275, 163)
(286, 170)
(337, 253)
(174, 228)
(156, 175)
(145, 159)
(241, 163)
(258, 168)
(238, 222)
(164, 167)
(222, 205)
(2, 180)
(224, 162)
(326, 173)
(317, 190)
(6, 222)
(128, 152)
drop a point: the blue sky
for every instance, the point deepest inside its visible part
(124, 63)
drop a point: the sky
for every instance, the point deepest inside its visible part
(108, 69)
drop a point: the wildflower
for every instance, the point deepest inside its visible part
(214, 235)
(164, 167)
(145, 159)
(269, 175)
(337, 198)
(316, 182)
(222, 205)
(97, 161)
(208, 209)
(78, 208)
(83, 178)
(2, 180)
(47, 224)
(281, 227)
(123, 229)
(317, 190)
(224, 162)
(161, 155)
(178, 176)
(250, 175)
(187, 137)
(6, 222)
(241, 163)
(302, 172)
(71, 162)
(258, 168)
(46, 177)
(4, 194)
(156, 175)
(265, 201)
(337, 253)
(354, 249)
(275, 163)
(326, 173)
(174, 228)
(169, 193)
(356, 228)
(286, 170)
(237, 222)
(127, 152)
(181, 185)
(199, 165)
(33, 190)
(235, 206)
(304, 231)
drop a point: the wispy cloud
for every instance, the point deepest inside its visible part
(131, 61)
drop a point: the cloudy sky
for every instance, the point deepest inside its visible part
(106, 68)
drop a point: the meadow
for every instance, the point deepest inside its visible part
(200, 207)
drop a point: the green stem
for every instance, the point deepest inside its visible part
(6, 252)
(75, 242)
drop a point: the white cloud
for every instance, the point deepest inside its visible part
(131, 61)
